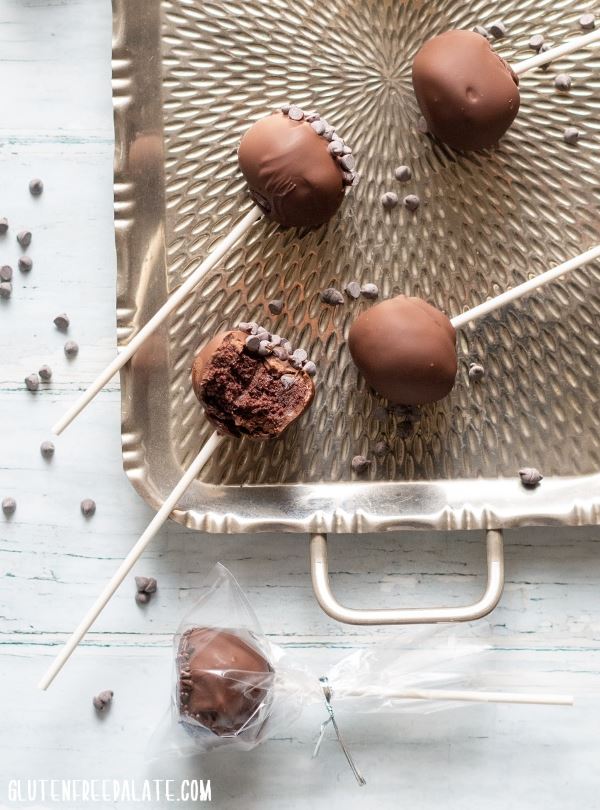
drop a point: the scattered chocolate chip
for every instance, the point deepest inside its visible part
(71, 348)
(587, 21)
(147, 585)
(36, 186)
(571, 135)
(24, 238)
(5, 289)
(332, 297)
(45, 373)
(530, 477)
(295, 113)
(563, 82)
(9, 506)
(381, 449)
(103, 700)
(6, 273)
(352, 289)
(403, 174)
(479, 29)
(88, 507)
(389, 199)
(497, 30)
(476, 371)
(412, 202)
(25, 263)
(287, 380)
(32, 381)
(276, 306)
(62, 322)
(422, 125)
(310, 368)
(3, 225)
(536, 42)
(47, 449)
(142, 598)
(360, 464)
(370, 291)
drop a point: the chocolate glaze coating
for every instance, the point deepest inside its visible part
(291, 174)
(468, 94)
(242, 393)
(406, 350)
(222, 679)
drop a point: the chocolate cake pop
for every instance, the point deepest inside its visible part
(405, 350)
(468, 94)
(297, 167)
(223, 680)
(251, 383)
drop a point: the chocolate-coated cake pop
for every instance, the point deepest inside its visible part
(251, 383)
(223, 680)
(296, 166)
(405, 350)
(468, 94)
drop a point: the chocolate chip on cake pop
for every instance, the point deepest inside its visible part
(276, 306)
(71, 348)
(102, 701)
(9, 506)
(295, 113)
(530, 477)
(24, 238)
(47, 449)
(32, 381)
(332, 297)
(88, 507)
(360, 464)
(36, 186)
(563, 82)
(253, 343)
(45, 373)
(403, 174)
(25, 263)
(5, 289)
(476, 371)
(310, 368)
(6, 273)
(62, 322)
(536, 42)
(389, 199)
(587, 21)
(370, 291)
(352, 289)
(287, 380)
(411, 202)
(497, 29)
(571, 135)
(3, 225)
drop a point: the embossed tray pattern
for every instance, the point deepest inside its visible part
(189, 77)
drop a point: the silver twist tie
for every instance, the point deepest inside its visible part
(328, 692)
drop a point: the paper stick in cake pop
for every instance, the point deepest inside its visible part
(467, 93)
(298, 170)
(406, 349)
(279, 388)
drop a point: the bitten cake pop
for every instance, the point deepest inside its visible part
(252, 383)
(468, 94)
(406, 350)
(296, 166)
(223, 680)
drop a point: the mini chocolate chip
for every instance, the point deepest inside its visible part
(275, 341)
(280, 353)
(319, 127)
(352, 289)
(151, 585)
(332, 297)
(370, 291)
(536, 42)
(301, 355)
(360, 464)
(285, 108)
(402, 173)
(287, 380)
(32, 381)
(264, 350)
(88, 507)
(336, 148)
(103, 700)
(497, 29)
(71, 348)
(24, 238)
(310, 368)
(587, 21)
(6, 273)
(276, 306)
(412, 202)
(422, 125)
(141, 583)
(36, 186)
(47, 449)
(45, 373)
(389, 199)
(479, 29)
(530, 477)
(5, 289)
(3, 225)
(348, 178)
(245, 327)
(9, 506)
(311, 117)
(62, 322)
(571, 135)
(25, 263)
(295, 113)
(563, 82)
(476, 371)
(346, 162)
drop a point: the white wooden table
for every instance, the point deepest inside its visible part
(56, 123)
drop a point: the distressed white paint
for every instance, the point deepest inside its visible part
(56, 123)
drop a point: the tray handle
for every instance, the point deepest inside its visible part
(321, 585)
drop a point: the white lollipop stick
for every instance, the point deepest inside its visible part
(468, 696)
(180, 294)
(525, 288)
(161, 516)
(554, 53)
